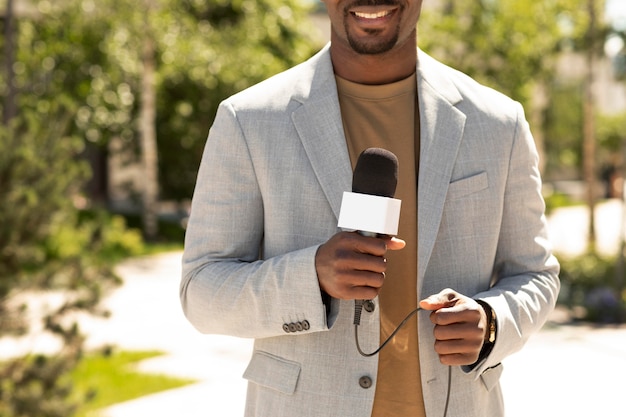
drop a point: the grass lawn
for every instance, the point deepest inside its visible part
(107, 379)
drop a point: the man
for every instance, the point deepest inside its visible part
(264, 258)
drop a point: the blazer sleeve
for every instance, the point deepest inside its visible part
(225, 287)
(526, 282)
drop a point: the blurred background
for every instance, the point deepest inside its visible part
(106, 105)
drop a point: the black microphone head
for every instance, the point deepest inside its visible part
(376, 173)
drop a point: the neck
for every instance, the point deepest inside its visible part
(394, 65)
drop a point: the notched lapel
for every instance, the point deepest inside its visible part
(318, 123)
(441, 132)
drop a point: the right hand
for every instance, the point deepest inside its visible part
(352, 267)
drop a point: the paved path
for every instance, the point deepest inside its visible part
(565, 370)
(147, 315)
(569, 228)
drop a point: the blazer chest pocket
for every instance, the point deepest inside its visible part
(469, 185)
(273, 372)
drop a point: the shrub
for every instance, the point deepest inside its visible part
(589, 281)
(48, 246)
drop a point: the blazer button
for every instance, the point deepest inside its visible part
(292, 327)
(305, 325)
(286, 328)
(369, 306)
(299, 326)
(365, 382)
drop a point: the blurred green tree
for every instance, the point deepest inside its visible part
(510, 45)
(563, 127)
(47, 249)
(204, 51)
(79, 70)
(207, 51)
(44, 244)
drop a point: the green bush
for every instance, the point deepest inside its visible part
(47, 244)
(31, 387)
(590, 281)
(117, 239)
(558, 200)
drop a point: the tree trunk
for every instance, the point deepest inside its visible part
(9, 37)
(148, 136)
(589, 145)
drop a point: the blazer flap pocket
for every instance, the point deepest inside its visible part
(273, 372)
(466, 186)
(491, 376)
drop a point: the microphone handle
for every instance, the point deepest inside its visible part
(358, 304)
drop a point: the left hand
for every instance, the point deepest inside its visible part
(460, 326)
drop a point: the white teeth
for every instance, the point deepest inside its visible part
(371, 15)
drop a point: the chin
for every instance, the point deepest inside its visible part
(372, 48)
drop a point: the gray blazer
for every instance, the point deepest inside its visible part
(269, 192)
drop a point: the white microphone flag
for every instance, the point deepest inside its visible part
(369, 213)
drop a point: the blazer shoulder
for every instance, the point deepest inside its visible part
(277, 91)
(475, 96)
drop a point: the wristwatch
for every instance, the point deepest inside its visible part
(490, 336)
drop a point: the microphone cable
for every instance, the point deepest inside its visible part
(358, 308)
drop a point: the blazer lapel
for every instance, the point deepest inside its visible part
(441, 131)
(318, 122)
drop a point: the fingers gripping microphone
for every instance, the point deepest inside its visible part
(370, 208)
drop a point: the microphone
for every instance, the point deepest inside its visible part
(370, 208)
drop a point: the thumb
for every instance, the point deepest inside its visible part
(395, 243)
(445, 298)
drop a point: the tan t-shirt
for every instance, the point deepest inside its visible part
(387, 116)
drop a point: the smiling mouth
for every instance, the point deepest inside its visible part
(377, 15)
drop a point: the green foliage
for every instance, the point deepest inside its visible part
(564, 128)
(557, 200)
(507, 44)
(59, 53)
(47, 245)
(563, 120)
(38, 178)
(78, 72)
(589, 281)
(31, 387)
(206, 51)
(37, 385)
(611, 132)
(116, 240)
(107, 378)
(512, 45)
(588, 270)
